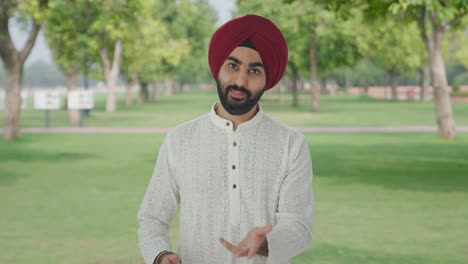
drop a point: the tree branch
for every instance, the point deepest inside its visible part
(24, 53)
(116, 58)
(7, 48)
(459, 16)
(422, 23)
(105, 60)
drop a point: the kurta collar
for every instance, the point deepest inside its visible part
(228, 125)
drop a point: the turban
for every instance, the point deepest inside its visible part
(264, 35)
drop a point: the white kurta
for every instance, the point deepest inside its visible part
(228, 182)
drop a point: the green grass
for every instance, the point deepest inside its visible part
(380, 198)
(335, 111)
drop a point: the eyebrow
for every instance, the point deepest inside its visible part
(252, 64)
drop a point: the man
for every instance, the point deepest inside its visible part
(243, 181)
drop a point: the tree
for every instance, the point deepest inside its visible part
(111, 21)
(396, 48)
(156, 48)
(65, 29)
(190, 24)
(441, 17)
(325, 40)
(285, 17)
(32, 13)
(434, 18)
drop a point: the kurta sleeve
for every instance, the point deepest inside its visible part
(293, 230)
(158, 208)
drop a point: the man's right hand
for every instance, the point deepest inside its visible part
(170, 259)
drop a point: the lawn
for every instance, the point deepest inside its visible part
(335, 111)
(380, 198)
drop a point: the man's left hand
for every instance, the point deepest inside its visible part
(251, 244)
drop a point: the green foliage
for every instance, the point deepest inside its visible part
(145, 47)
(67, 33)
(365, 74)
(339, 40)
(36, 10)
(443, 14)
(194, 22)
(395, 46)
(171, 39)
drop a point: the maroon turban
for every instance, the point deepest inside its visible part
(264, 35)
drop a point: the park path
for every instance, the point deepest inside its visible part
(161, 130)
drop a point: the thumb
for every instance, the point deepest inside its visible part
(262, 231)
(173, 259)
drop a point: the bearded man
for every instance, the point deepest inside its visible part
(242, 180)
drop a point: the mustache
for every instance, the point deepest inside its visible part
(237, 88)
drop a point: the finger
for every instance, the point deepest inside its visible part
(252, 252)
(235, 250)
(242, 252)
(173, 259)
(263, 231)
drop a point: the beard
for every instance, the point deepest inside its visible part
(235, 106)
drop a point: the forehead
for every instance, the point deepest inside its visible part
(246, 55)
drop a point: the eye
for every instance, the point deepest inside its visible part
(255, 71)
(232, 66)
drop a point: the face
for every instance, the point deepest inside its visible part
(241, 81)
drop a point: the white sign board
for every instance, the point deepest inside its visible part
(47, 100)
(80, 100)
(24, 99)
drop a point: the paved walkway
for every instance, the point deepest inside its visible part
(156, 130)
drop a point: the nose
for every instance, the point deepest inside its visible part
(241, 79)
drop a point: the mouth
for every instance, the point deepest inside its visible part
(237, 94)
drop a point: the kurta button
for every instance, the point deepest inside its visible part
(235, 144)
(233, 167)
(227, 123)
(234, 186)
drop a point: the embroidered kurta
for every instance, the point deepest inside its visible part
(226, 183)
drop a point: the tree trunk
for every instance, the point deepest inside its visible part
(282, 90)
(128, 94)
(156, 92)
(72, 84)
(13, 61)
(129, 91)
(294, 80)
(425, 70)
(443, 105)
(323, 86)
(144, 93)
(177, 87)
(347, 79)
(315, 87)
(168, 87)
(366, 90)
(12, 109)
(394, 80)
(111, 73)
(424, 82)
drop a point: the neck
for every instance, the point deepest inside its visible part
(235, 119)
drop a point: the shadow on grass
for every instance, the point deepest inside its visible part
(7, 177)
(410, 166)
(18, 154)
(327, 253)
(32, 155)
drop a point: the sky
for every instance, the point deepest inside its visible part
(42, 52)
